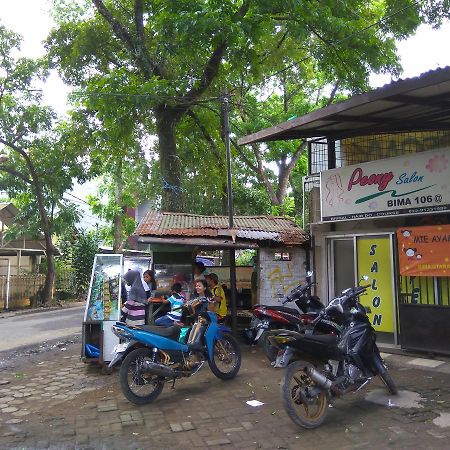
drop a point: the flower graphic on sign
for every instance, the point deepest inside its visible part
(438, 163)
(334, 190)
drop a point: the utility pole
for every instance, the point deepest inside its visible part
(226, 139)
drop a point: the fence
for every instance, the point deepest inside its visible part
(21, 289)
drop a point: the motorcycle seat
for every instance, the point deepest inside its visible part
(281, 309)
(169, 332)
(330, 339)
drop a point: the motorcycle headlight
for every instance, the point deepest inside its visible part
(121, 333)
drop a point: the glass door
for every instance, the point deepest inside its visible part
(343, 265)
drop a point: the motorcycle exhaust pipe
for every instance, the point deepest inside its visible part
(160, 370)
(319, 378)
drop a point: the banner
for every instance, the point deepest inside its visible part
(374, 260)
(409, 184)
(424, 251)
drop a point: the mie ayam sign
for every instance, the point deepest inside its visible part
(410, 184)
(424, 251)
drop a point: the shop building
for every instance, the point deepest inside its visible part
(378, 204)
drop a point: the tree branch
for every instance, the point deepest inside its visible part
(136, 48)
(244, 157)
(118, 29)
(15, 173)
(206, 134)
(210, 69)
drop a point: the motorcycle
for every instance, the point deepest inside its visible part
(153, 355)
(311, 380)
(269, 320)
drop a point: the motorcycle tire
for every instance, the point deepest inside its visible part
(132, 359)
(297, 410)
(270, 351)
(222, 349)
(389, 382)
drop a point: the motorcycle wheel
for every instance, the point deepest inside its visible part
(226, 360)
(389, 382)
(138, 386)
(270, 351)
(294, 387)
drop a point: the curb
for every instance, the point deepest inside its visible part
(415, 361)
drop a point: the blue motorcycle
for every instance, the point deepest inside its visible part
(153, 355)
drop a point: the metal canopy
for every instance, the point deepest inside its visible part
(415, 104)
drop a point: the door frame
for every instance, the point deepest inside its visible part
(329, 260)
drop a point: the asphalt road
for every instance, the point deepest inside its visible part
(32, 329)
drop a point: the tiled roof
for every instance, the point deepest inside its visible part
(253, 228)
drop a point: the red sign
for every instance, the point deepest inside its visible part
(424, 251)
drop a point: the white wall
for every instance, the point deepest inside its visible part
(277, 278)
(26, 265)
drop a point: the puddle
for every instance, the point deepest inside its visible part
(404, 399)
(443, 420)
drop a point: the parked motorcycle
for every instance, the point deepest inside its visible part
(311, 380)
(153, 355)
(270, 319)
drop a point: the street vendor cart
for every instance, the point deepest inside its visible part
(104, 302)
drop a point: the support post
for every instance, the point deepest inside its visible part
(226, 138)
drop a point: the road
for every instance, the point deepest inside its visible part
(23, 330)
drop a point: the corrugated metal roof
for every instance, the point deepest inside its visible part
(251, 228)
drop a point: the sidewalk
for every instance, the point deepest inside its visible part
(54, 401)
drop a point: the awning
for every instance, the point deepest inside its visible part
(415, 104)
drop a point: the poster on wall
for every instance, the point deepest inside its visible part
(374, 260)
(410, 184)
(424, 251)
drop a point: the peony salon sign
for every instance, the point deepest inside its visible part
(410, 184)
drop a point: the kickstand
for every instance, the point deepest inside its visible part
(173, 383)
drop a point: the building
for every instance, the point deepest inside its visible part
(379, 203)
(174, 240)
(19, 262)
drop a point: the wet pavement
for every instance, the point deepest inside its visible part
(51, 399)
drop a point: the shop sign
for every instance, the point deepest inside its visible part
(424, 251)
(374, 260)
(410, 184)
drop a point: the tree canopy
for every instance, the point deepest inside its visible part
(157, 61)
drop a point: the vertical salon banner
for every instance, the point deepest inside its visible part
(374, 260)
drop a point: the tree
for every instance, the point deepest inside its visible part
(34, 169)
(163, 58)
(83, 250)
(116, 156)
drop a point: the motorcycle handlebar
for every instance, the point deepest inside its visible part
(304, 287)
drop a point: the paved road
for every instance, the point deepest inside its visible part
(30, 329)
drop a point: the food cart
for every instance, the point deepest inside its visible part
(104, 302)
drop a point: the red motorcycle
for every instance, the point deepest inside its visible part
(267, 318)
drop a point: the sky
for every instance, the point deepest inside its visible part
(426, 50)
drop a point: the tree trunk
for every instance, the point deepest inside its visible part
(172, 194)
(48, 290)
(118, 216)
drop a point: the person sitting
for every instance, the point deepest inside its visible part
(176, 301)
(199, 271)
(218, 295)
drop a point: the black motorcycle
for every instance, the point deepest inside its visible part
(273, 319)
(311, 380)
